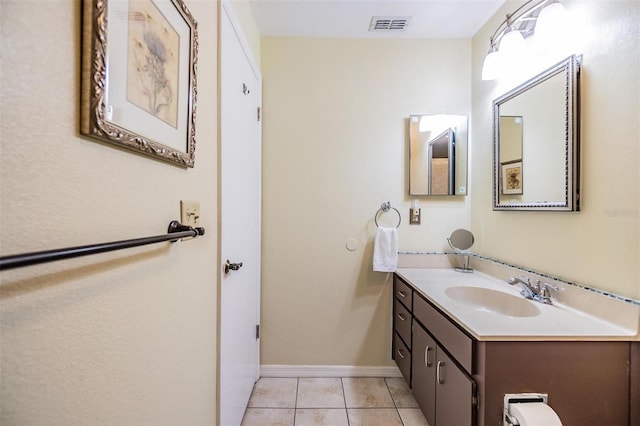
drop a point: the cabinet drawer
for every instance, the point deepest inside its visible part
(448, 334)
(402, 323)
(403, 293)
(402, 355)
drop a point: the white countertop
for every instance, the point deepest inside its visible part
(553, 322)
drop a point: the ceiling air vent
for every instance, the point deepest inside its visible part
(389, 23)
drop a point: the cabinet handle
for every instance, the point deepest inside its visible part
(402, 317)
(402, 293)
(439, 375)
(427, 361)
(403, 356)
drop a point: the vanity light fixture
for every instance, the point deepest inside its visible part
(537, 21)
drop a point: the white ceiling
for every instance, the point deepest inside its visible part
(457, 19)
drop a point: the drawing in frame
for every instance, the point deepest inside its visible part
(139, 63)
(511, 177)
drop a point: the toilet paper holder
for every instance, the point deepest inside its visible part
(512, 398)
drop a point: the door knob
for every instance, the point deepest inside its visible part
(231, 266)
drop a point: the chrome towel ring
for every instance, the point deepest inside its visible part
(385, 207)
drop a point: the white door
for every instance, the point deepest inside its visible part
(240, 221)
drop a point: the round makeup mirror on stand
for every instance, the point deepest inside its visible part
(460, 241)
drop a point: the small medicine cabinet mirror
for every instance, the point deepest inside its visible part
(438, 154)
(535, 132)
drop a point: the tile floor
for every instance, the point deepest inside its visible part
(349, 401)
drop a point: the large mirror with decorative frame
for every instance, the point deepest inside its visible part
(536, 142)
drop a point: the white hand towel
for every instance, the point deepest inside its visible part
(385, 250)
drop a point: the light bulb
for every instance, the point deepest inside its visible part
(512, 44)
(513, 54)
(491, 66)
(550, 24)
(553, 34)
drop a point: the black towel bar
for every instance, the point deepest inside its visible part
(175, 232)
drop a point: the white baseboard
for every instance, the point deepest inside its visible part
(327, 371)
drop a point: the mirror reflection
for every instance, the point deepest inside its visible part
(535, 142)
(437, 154)
(511, 153)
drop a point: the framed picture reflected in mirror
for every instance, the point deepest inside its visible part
(511, 172)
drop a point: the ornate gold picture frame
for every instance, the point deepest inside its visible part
(139, 63)
(511, 177)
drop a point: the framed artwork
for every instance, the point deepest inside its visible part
(139, 62)
(511, 177)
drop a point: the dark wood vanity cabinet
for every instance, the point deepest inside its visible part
(587, 382)
(443, 390)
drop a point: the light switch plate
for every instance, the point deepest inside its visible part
(190, 213)
(414, 216)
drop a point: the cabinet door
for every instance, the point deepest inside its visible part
(423, 380)
(454, 393)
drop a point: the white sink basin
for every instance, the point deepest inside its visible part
(498, 302)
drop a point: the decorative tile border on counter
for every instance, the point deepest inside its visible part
(496, 268)
(415, 259)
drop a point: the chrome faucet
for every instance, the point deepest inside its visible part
(545, 295)
(536, 291)
(528, 290)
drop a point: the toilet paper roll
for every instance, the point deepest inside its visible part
(534, 414)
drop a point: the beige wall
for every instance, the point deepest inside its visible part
(335, 146)
(120, 338)
(600, 245)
